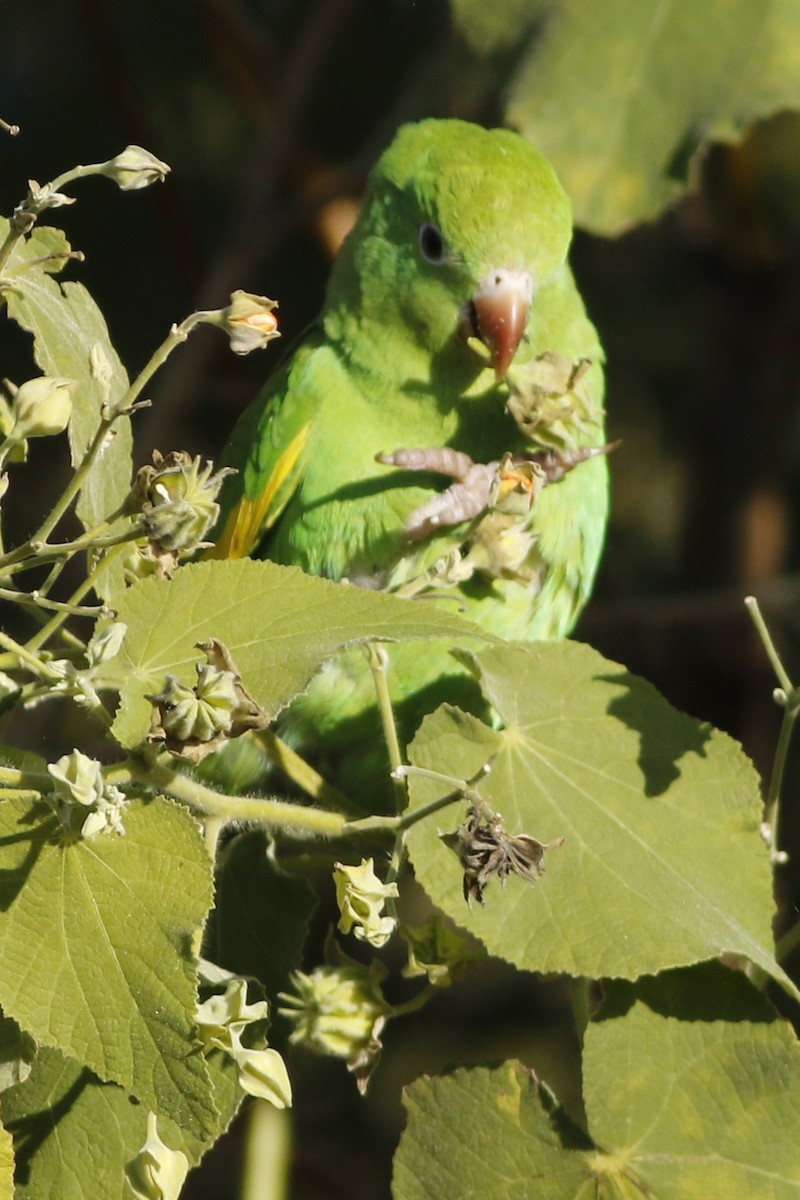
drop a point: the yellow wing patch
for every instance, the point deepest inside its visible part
(250, 519)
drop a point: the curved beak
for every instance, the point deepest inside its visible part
(499, 313)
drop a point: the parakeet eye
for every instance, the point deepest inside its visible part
(431, 243)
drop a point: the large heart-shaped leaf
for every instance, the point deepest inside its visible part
(679, 1102)
(279, 624)
(663, 862)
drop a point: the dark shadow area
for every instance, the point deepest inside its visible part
(665, 735)
(705, 992)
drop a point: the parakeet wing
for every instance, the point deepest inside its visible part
(267, 451)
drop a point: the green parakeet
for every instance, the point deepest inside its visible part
(439, 430)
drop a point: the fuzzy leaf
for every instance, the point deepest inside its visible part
(696, 1106)
(17, 1053)
(6, 1165)
(279, 624)
(620, 96)
(663, 862)
(487, 1127)
(75, 1135)
(70, 333)
(96, 949)
(681, 1106)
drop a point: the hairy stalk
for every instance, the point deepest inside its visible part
(267, 1153)
(24, 781)
(33, 553)
(295, 818)
(37, 600)
(28, 656)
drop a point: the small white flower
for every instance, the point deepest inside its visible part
(156, 1173)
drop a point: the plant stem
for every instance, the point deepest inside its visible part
(27, 781)
(33, 554)
(54, 625)
(416, 1003)
(35, 600)
(378, 659)
(751, 604)
(789, 698)
(267, 1153)
(176, 336)
(297, 818)
(28, 656)
(75, 484)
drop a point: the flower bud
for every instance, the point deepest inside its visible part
(338, 1011)
(361, 897)
(178, 501)
(222, 1020)
(250, 322)
(134, 168)
(79, 784)
(156, 1173)
(106, 645)
(187, 716)
(262, 1073)
(78, 779)
(42, 407)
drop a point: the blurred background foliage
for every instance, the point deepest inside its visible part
(270, 113)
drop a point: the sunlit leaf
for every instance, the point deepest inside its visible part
(278, 624)
(71, 340)
(681, 1102)
(74, 1135)
(96, 948)
(663, 862)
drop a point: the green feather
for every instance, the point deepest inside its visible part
(387, 366)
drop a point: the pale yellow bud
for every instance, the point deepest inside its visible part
(361, 895)
(250, 322)
(42, 407)
(156, 1173)
(135, 168)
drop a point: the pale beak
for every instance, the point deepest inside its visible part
(499, 313)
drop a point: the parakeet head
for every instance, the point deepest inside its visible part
(460, 227)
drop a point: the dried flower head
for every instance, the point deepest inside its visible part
(485, 849)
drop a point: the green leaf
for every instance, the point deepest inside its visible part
(677, 1106)
(74, 1135)
(260, 919)
(6, 1165)
(620, 96)
(695, 1106)
(96, 948)
(488, 1128)
(663, 862)
(68, 329)
(279, 624)
(17, 1053)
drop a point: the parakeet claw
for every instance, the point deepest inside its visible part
(510, 484)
